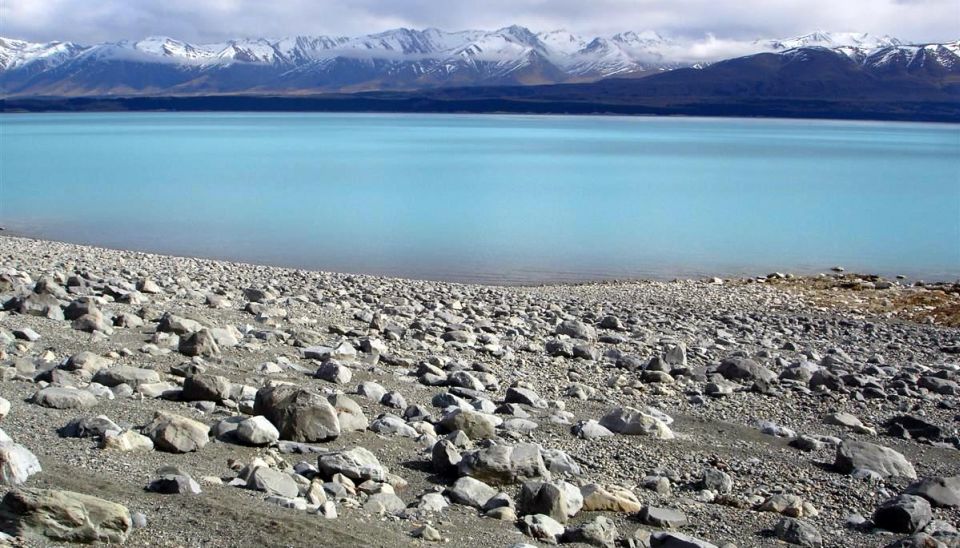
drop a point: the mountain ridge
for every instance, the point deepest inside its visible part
(398, 59)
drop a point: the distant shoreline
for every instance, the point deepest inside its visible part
(411, 102)
(480, 281)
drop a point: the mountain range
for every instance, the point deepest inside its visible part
(408, 60)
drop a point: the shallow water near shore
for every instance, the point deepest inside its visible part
(513, 199)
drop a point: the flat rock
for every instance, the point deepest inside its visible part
(664, 518)
(65, 516)
(858, 455)
(939, 490)
(470, 492)
(357, 464)
(273, 482)
(609, 499)
(124, 374)
(541, 527)
(58, 397)
(632, 422)
(505, 464)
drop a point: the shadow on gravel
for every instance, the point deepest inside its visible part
(425, 468)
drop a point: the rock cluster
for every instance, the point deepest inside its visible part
(631, 414)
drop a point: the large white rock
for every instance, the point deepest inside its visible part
(17, 463)
(257, 431)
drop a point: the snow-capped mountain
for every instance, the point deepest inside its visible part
(395, 59)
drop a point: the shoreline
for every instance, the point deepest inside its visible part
(727, 409)
(499, 282)
(101, 105)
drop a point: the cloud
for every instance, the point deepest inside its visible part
(724, 23)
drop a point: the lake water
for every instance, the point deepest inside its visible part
(493, 198)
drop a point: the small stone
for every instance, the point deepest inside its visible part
(664, 518)
(427, 533)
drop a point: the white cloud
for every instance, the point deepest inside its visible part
(730, 22)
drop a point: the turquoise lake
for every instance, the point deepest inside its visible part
(493, 198)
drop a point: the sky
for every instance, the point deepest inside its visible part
(723, 22)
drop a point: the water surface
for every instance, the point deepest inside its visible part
(493, 198)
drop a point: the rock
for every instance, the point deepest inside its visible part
(4, 407)
(299, 414)
(349, 413)
(903, 514)
(384, 503)
(844, 419)
(256, 431)
(86, 361)
(676, 356)
(171, 323)
(426, 533)
(475, 425)
(445, 457)
(17, 463)
(745, 369)
(174, 484)
(205, 387)
(89, 427)
(505, 464)
(543, 528)
(470, 492)
(357, 464)
(668, 539)
(65, 516)
(716, 480)
(610, 499)
(126, 441)
(523, 396)
(940, 491)
(176, 434)
(857, 455)
(272, 482)
(432, 502)
(123, 374)
(332, 371)
(919, 540)
(663, 518)
(630, 421)
(58, 397)
(577, 330)
(26, 334)
(783, 503)
(600, 532)
(800, 533)
(43, 306)
(590, 430)
(915, 428)
(392, 424)
(559, 500)
(200, 343)
(394, 399)
(371, 391)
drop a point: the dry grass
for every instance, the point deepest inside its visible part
(933, 303)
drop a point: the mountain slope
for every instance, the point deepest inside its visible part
(400, 59)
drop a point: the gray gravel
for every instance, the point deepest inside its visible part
(745, 377)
